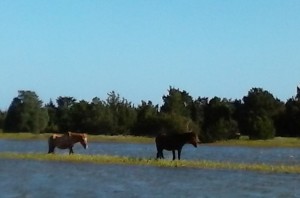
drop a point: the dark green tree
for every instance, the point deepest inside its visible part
(64, 120)
(261, 127)
(147, 119)
(198, 110)
(92, 118)
(291, 118)
(52, 112)
(123, 113)
(12, 122)
(177, 102)
(176, 112)
(26, 114)
(101, 117)
(80, 116)
(260, 108)
(2, 119)
(219, 123)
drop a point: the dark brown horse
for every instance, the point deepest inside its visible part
(66, 141)
(174, 142)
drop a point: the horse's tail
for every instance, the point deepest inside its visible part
(159, 146)
(158, 140)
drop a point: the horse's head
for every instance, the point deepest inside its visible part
(193, 138)
(83, 140)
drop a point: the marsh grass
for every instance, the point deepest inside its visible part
(107, 159)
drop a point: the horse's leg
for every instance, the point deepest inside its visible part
(179, 153)
(159, 154)
(51, 149)
(173, 151)
(71, 150)
(51, 146)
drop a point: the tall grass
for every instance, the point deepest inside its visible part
(107, 159)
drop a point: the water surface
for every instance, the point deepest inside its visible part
(60, 179)
(288, 156)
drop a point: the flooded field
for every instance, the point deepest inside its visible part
(288, 156)
(24, 178)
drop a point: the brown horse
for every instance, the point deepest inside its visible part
(66, 141)
(174, 142)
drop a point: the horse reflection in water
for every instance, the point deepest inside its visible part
(172, 142)
(67, 141)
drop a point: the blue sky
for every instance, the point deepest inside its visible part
(139, 48)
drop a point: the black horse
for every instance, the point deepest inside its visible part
(172, 142)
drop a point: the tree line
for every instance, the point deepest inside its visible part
(258, 115)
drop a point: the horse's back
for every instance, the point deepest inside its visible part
(160, 138)
(168, 141)
(54, 136)
(61, 141)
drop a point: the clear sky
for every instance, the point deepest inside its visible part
(139, 48)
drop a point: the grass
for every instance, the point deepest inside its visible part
(121, 138)
(276, 142)
(92, 138)
(24, 136)
(107, 159)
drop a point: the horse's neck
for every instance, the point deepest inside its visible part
(185, 137)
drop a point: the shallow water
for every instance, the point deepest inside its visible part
(289, 156)
(60, 179)
(24, 178)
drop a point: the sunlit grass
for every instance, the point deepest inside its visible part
(107, 159)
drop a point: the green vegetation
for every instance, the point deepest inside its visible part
(276, 142)
(258, 115)
(106, 159)
(243, 141)
(121, 138)
(26, 113)
(91, 138)
(24, 136)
